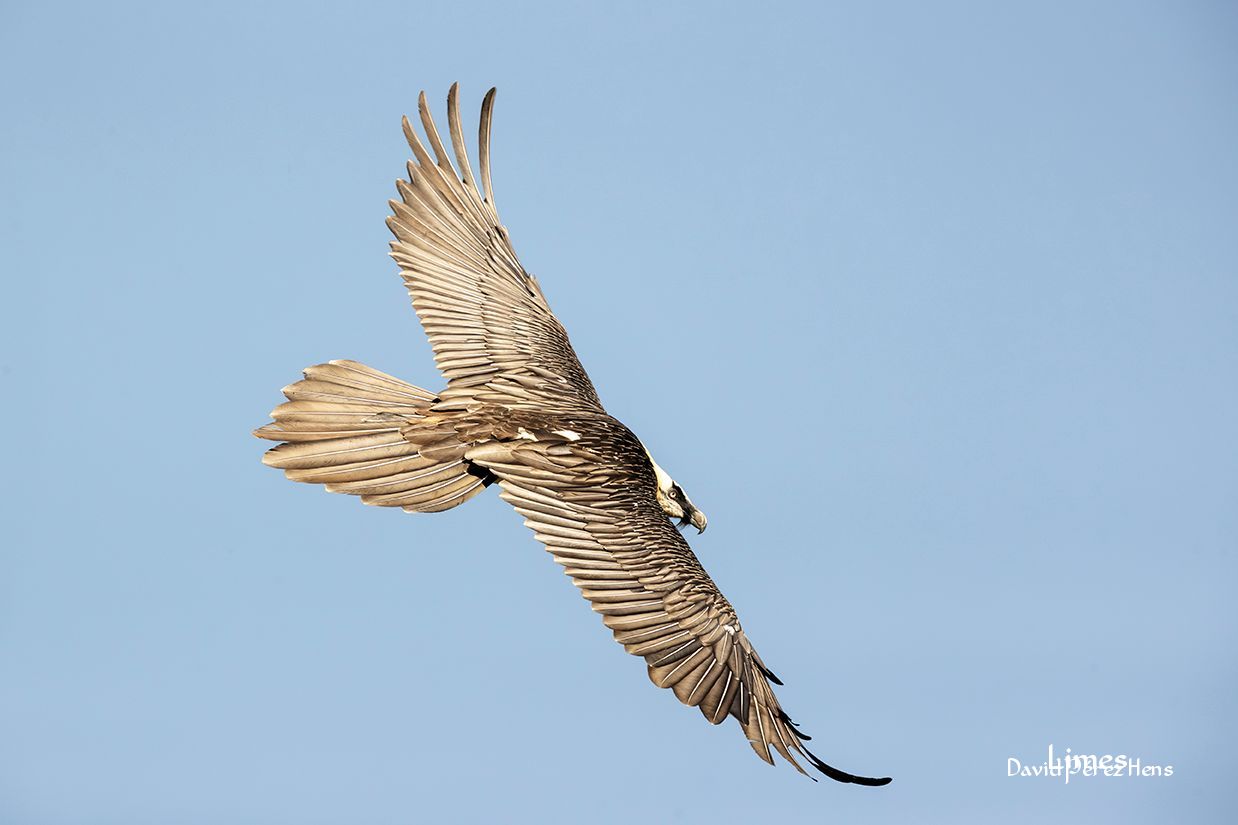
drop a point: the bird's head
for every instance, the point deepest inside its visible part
(675, 502)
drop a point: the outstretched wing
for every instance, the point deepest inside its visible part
(493, 334)
(588, 497)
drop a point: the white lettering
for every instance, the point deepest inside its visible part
(1070, 764)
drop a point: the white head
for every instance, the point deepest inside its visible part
(674, 501)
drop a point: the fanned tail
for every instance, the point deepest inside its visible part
(363, 432)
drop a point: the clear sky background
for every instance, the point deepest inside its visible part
(933, 308)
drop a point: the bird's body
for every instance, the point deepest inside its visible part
(520, 411)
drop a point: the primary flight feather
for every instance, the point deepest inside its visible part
(520, 411)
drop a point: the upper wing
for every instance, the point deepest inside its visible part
(586, 496)
(493, 334)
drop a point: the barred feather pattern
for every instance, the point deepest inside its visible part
(494, 336)
(584, 486)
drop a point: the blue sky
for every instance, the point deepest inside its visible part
(934, 311)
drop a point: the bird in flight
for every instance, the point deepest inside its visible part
(520, 412)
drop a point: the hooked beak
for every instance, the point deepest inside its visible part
(698, 520)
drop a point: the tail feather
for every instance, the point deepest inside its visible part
(418, 479)
(332, 452)
(364, 432)
(375, 386)
(362, 471)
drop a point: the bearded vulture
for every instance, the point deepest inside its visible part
(519, 411)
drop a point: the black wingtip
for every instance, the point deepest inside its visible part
(793, 726)
(851, 779)
(769, 674)
(843, 776)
